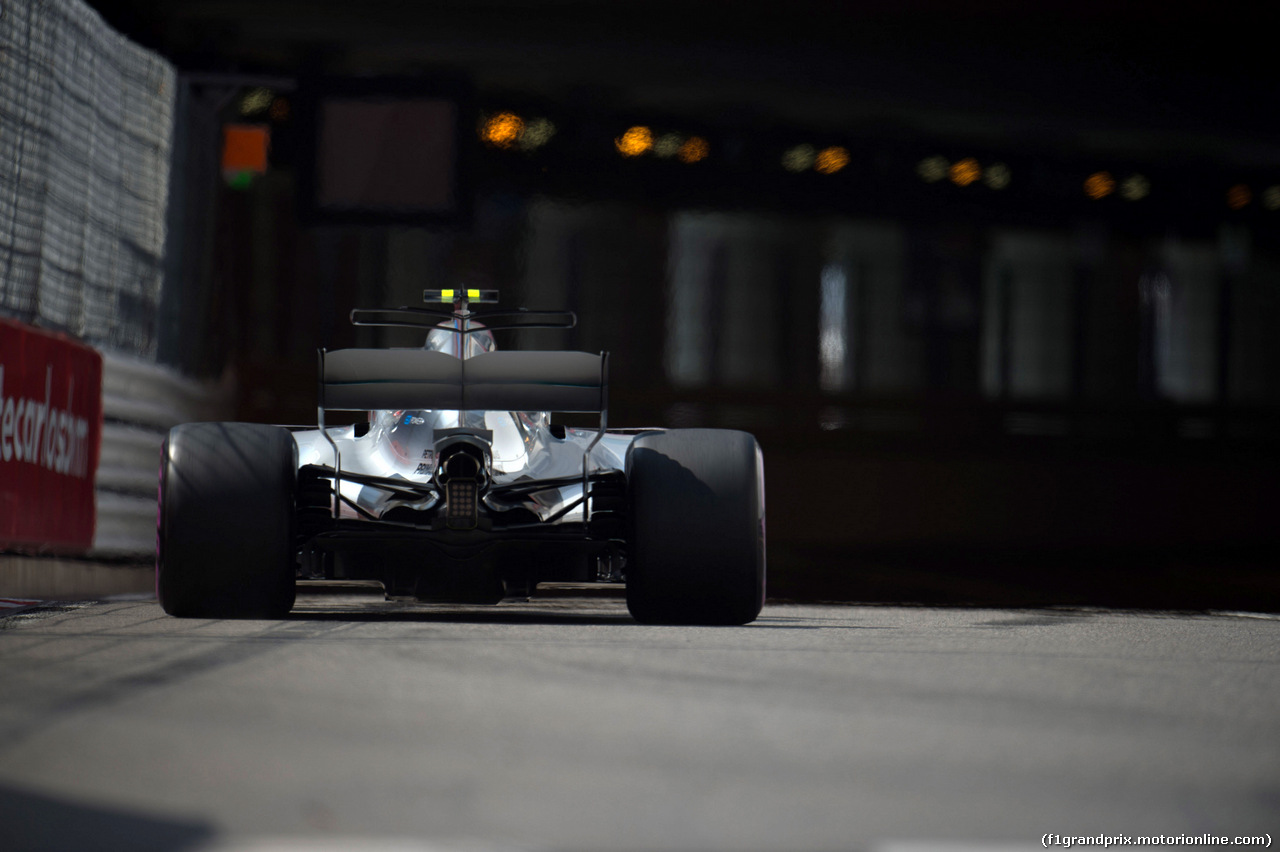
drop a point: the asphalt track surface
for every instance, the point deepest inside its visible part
(560, 724)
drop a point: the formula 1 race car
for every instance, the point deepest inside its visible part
(459, 487)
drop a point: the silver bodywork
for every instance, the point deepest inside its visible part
(402, 445)
(523, 448)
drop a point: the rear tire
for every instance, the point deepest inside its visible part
(695, 520)
(224, 537)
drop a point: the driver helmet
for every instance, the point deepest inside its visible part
(445, 340)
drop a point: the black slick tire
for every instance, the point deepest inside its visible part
(695, 527)
(224, 537)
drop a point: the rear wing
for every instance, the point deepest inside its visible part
(372, 379)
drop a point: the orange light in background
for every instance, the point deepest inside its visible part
(636, 141)
(799, 158)
(244, 152)
(997, 176)
(502, 130)
(694, 149)
(831, 160)
(1135, 188)
(965, 172)
(1099, 185)
(1239, 196)
(933, 169)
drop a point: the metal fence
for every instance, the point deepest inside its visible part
(86, 122)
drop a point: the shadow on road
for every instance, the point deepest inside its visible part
(374, 609)
(35, 823)
(565, 612)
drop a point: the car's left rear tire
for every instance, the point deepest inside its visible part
(695, 521)
(224, 536)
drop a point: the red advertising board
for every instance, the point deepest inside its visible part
(50, 436)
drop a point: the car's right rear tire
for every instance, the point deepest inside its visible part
(695, 520)
(224, 536)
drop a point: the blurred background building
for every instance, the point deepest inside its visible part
(993, 285)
